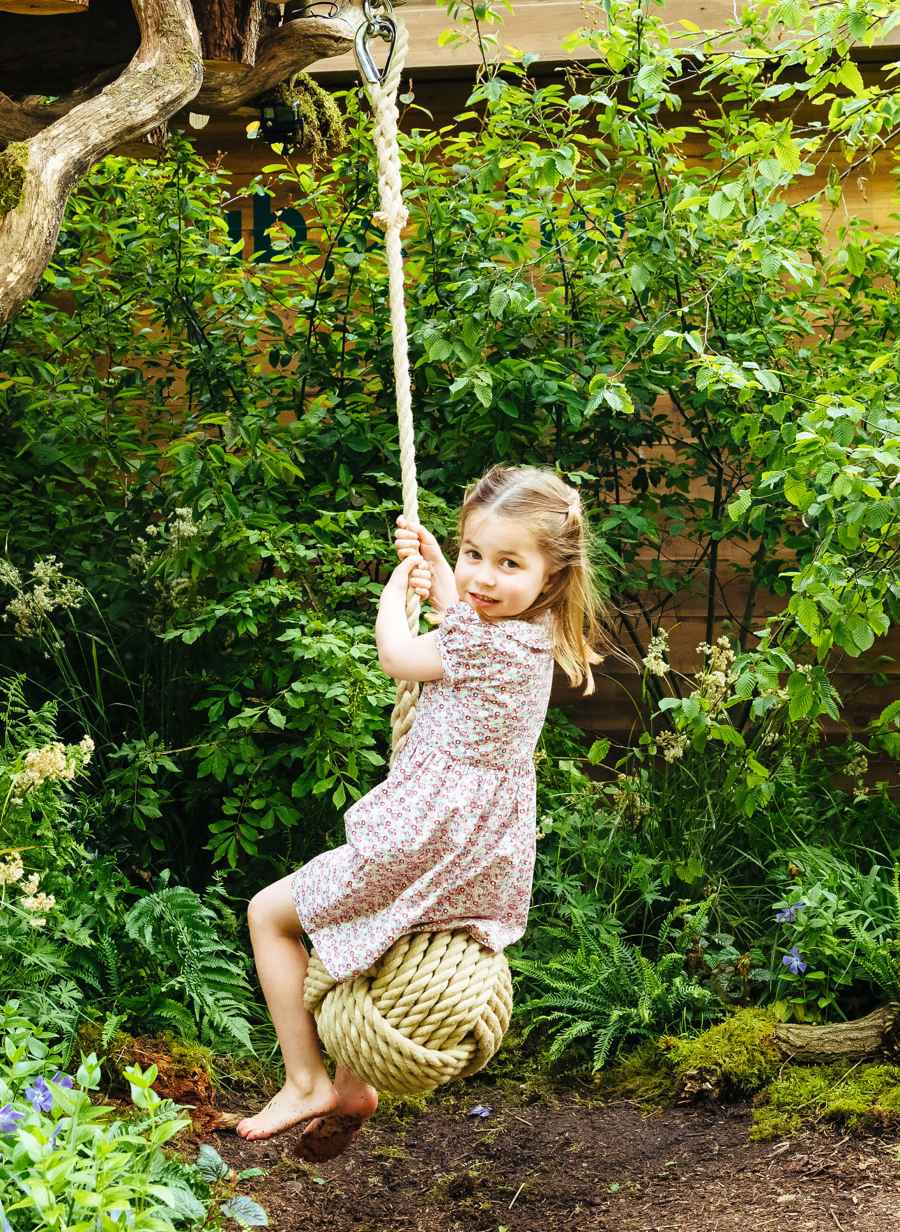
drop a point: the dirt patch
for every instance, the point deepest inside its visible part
(569, 1165)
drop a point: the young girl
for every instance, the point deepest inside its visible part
(448, 839)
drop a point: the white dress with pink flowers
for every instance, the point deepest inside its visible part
(448, 839)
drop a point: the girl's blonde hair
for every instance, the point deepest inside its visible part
(551, 510)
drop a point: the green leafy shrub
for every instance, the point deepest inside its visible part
(71, 924)
(69, 1164)
(607, 992)
(843, 928)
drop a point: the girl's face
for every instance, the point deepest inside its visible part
(499, 571)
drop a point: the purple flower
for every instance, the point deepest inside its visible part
(40, 1095)
(8, 1119)
(481, 1110)
(5, 1225)
(794, 962)
(789, 914)
(54, 1134)
(62, 1080)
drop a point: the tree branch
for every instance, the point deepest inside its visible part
(165, 73)
(285, 51)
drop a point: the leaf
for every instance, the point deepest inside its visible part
(850, 76)
(807, 615)
(598, 751)
(689, 203)
(246, 1212)
(788, 153)
(890, 714)
(499, 299)
(800, 697)
(720, 206)
(276, 718)
(860, 632)
(230, 503)
(797, 493)
(739, 506)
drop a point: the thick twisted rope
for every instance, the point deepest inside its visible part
(436, 1005)
(392, 217)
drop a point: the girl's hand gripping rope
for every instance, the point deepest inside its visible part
(413, 537)
(412, 573)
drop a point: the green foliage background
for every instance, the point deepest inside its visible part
(206, 445)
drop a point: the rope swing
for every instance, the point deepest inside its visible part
(437, 1004)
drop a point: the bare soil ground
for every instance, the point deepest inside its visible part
(569, 1164)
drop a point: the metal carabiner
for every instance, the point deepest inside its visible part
(376, 25)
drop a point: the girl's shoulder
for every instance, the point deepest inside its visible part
(462, 619)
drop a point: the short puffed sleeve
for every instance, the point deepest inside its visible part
(486, 652)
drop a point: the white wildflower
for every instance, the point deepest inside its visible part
(183, 526)
(630, 802)
(672, 744)
(859, 766)
(37, 921)
(655, 661)
(50, 590)
(10, 575)
(51, 763)
(31, 883)
(11, 870)
(715, 678)
(140, 558)
(38, 902)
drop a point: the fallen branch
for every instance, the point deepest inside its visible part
(876, 1035)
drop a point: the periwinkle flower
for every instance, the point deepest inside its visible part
(5, 1225)
(9, 1118)
(40, 1095)
(62, 1080)
(794, 962)
(481, 1110)
(789, 914)
(55, 1134)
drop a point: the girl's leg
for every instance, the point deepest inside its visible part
(281, 964)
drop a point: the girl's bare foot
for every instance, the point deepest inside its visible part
(328, 1136)
(289, 1107)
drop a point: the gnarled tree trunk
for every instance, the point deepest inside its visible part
(37, 175)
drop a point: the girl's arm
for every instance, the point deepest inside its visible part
(401, 654)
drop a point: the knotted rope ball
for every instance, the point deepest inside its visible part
(433, 1008)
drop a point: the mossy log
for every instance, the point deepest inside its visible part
(878, 1034)
(721, 1074)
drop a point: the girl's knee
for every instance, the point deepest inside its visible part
(274, 908)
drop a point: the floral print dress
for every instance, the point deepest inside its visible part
(448, 839)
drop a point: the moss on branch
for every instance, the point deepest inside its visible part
(13, 169)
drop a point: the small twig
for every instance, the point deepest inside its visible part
(518, 1191)
(835, 1218)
